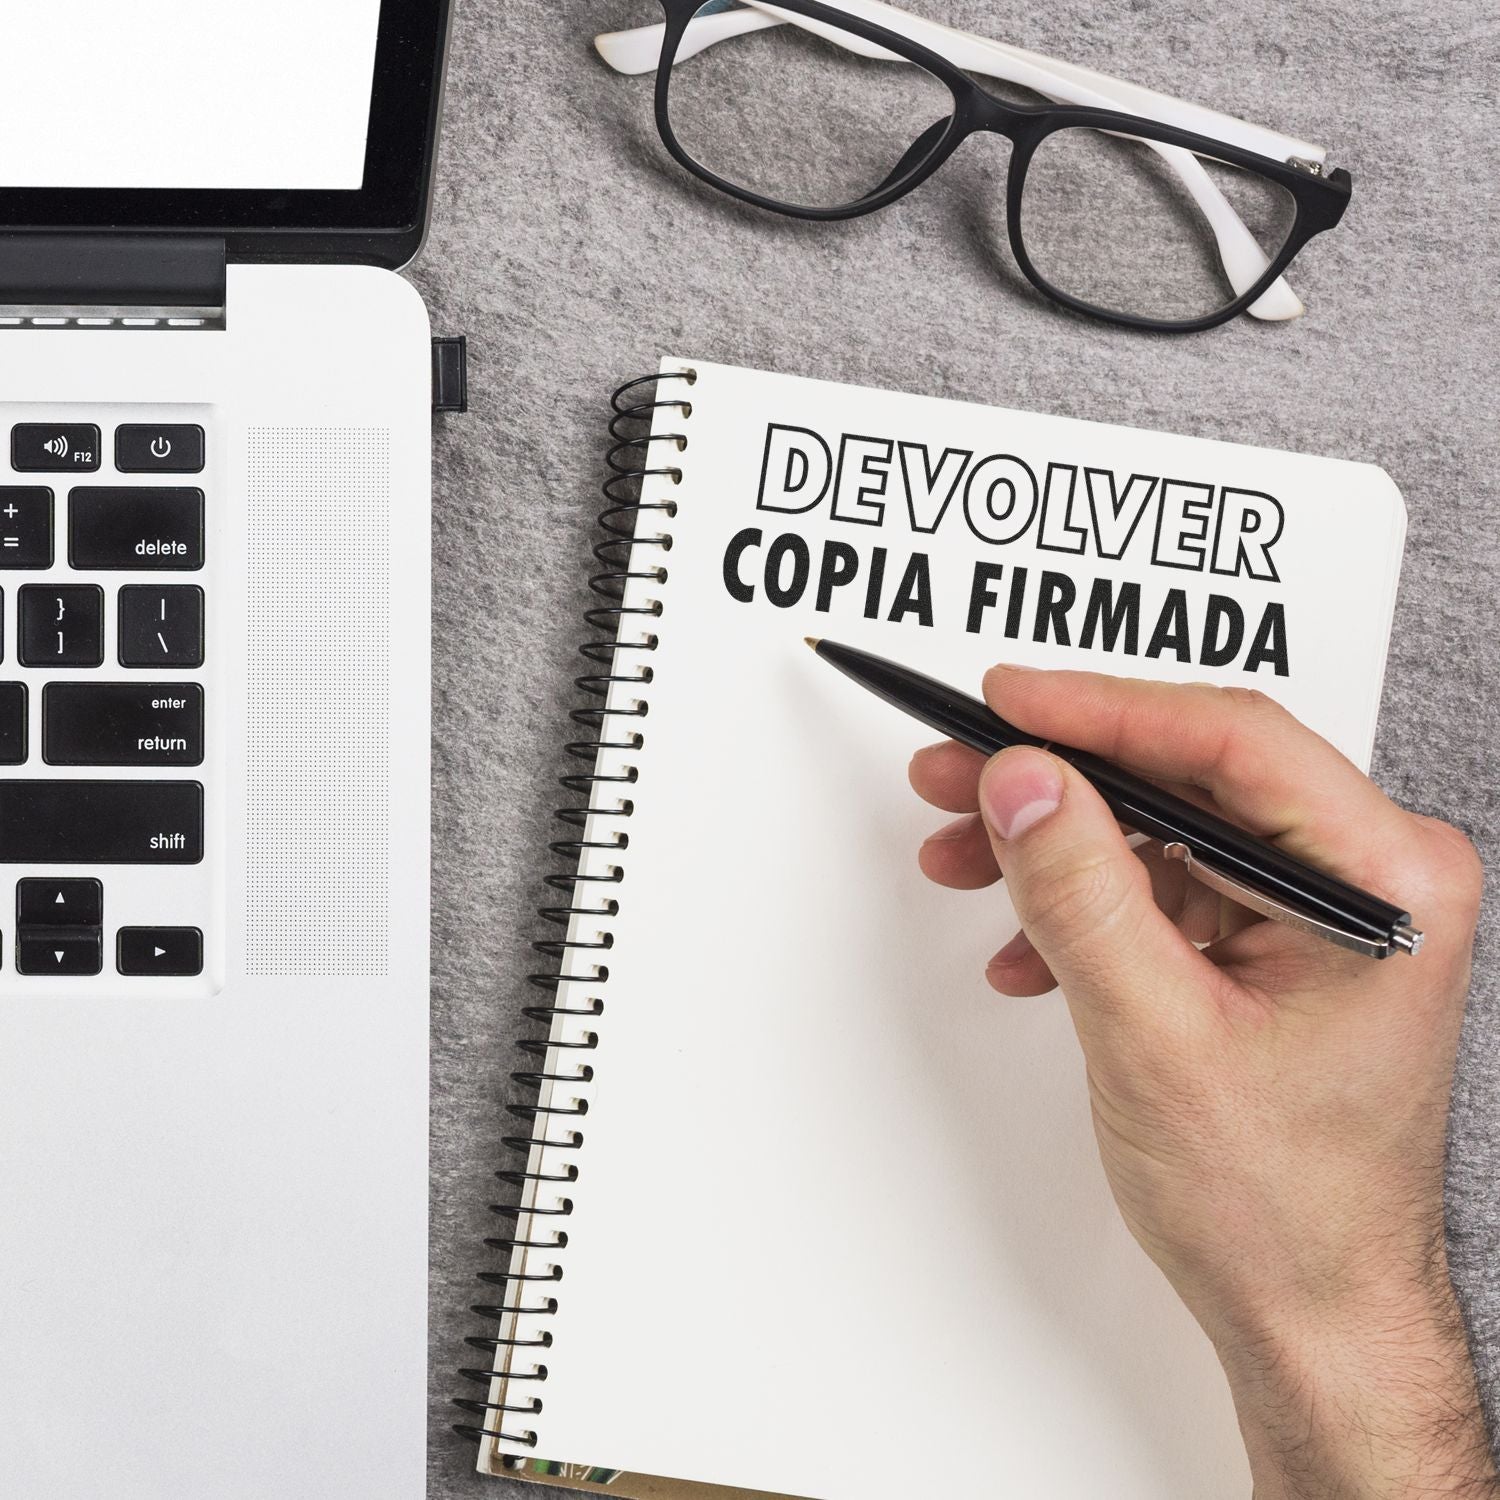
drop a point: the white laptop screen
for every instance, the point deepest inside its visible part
(186, 94)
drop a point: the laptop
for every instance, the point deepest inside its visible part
(215, 440)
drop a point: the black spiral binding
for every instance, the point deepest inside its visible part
(631, 463)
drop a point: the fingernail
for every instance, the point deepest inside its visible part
(1019, 788)
(1013, 952)
(954, 830)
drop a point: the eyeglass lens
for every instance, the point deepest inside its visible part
(790, 116)
(1129, 225)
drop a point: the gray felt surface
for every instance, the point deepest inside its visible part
(573, 254)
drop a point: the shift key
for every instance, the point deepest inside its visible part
(101, 822)
(136, 528)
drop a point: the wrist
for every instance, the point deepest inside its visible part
(1374, 1399)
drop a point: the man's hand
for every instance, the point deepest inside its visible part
(1271, 1109)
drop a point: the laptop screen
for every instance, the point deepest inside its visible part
(294, 129)
(186, 93)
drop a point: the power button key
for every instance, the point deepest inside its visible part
(154, 448)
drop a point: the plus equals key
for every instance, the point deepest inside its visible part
(25, 526)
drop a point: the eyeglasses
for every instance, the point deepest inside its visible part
(1121, 203)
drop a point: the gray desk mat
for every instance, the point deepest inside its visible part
(573, 254)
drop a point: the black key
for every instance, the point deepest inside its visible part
(136, 528)
(60, 950)
(101, 822)
(161, 626)
(59, 903)
(159, 950)
(13, 725)
(62, 625)
(25, 526)
(122, 724)
(158, 449)
(51, 447)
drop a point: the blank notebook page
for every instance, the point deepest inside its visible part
(839, 1219)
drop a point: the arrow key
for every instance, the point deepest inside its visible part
(159, 951)
(59, 903)
(59, 950)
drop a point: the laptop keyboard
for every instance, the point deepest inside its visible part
(108, 760)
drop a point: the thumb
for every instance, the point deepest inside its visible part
(1084, 899)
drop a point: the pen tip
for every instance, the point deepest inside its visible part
(812, 641)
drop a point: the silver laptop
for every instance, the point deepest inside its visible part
(215, 408)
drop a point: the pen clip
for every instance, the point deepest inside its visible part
(1268, 906)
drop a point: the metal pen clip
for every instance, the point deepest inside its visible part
(1404, 937)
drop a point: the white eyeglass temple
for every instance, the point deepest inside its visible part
(638, 50)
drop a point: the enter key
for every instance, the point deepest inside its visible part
(122, 724)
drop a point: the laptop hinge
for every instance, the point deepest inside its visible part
(111, 280)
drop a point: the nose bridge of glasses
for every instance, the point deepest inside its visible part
(986, 110)
(916, 153)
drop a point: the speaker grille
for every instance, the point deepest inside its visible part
(318, 771)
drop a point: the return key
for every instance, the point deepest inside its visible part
(122, 724)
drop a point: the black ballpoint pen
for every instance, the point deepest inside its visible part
(1239, 865)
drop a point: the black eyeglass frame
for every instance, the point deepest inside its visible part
(1320, 200)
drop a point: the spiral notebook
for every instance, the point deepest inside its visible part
(804, 1208)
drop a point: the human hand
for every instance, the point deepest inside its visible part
(1270, 1110)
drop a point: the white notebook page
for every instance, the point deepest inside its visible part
(840, 1220)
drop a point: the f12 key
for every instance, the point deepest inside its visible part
(52, 447)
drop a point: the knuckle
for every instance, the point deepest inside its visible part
(1460, 867)
(1076, 895)
(1241, 764)
(1242, 758)
(1250, 699)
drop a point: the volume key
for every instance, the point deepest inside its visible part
(54, 447)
